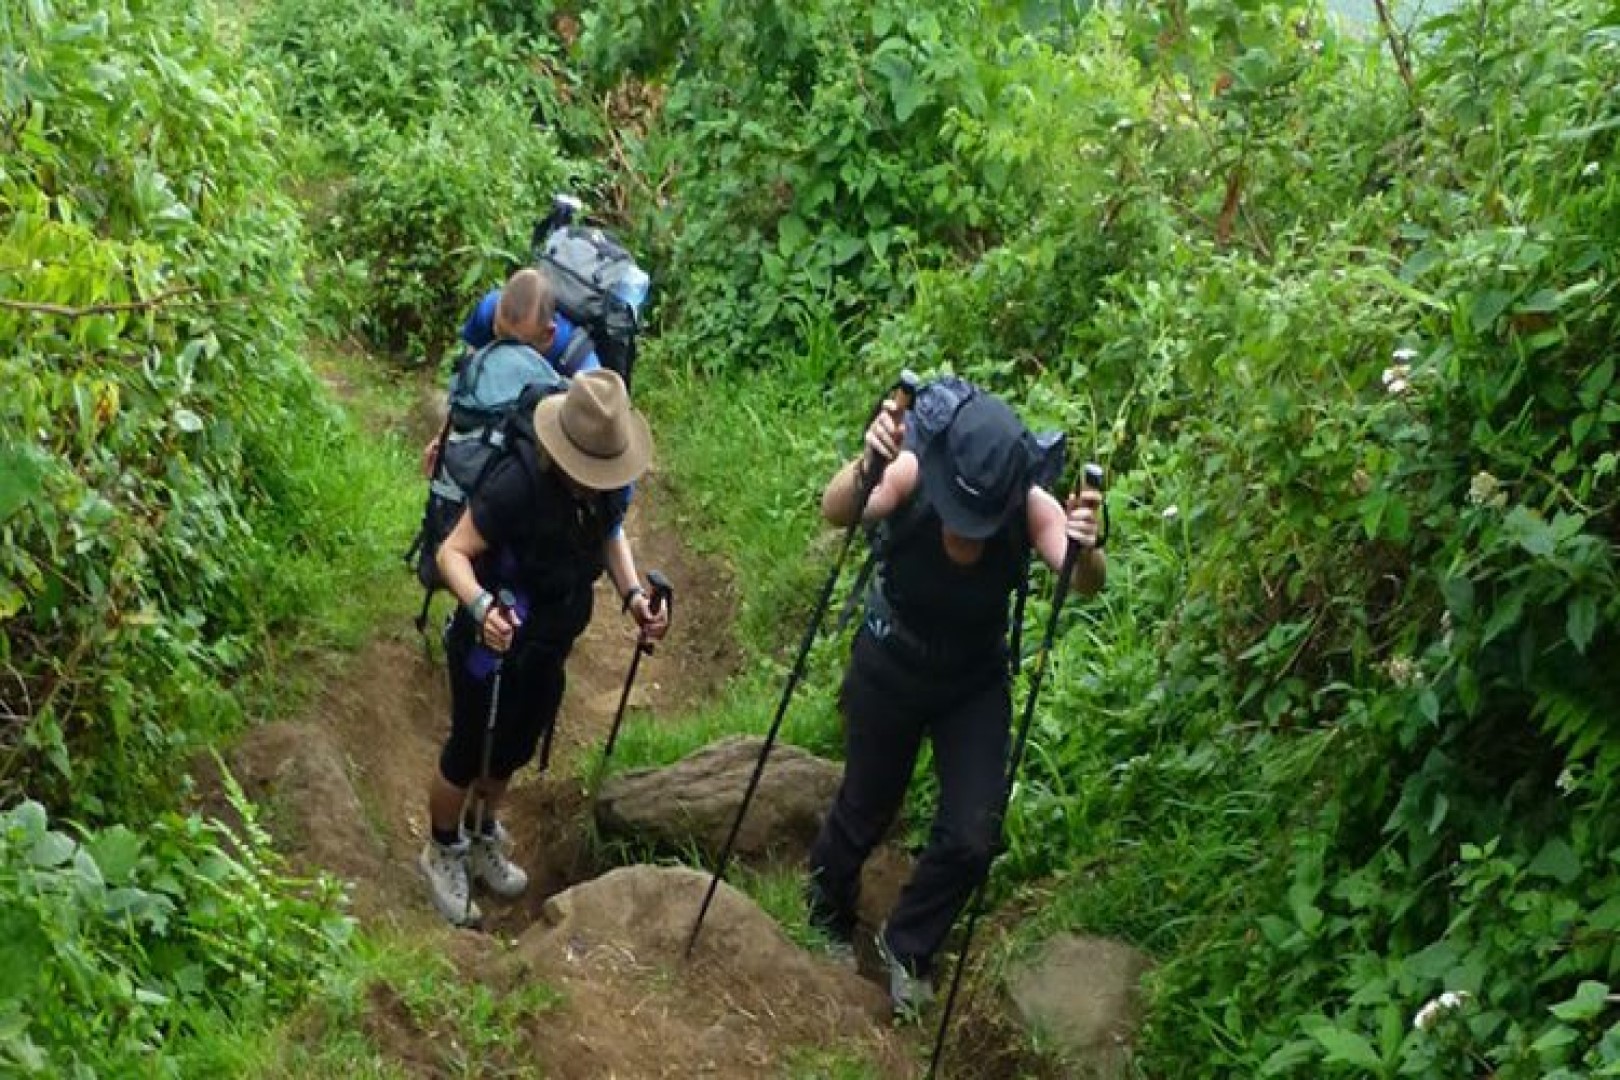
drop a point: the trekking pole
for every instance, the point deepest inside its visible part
(663, 593)
(1091, 476)
(506, 602)
(902, 393)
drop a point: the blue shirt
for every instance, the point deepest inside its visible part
(479, 330)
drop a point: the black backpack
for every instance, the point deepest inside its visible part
(493, 393)
(598, 286)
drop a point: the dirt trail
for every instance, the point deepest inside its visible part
(345, 791)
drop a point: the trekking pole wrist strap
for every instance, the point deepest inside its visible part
(630, 597)
(478, 607)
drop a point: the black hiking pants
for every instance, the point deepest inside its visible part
(889, 705)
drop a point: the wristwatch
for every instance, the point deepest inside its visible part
(635, 591)
(478, 607)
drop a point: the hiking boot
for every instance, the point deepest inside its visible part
(487, 862)
(909, 991)
(837, 925)
(445, 868)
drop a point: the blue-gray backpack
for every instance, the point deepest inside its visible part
(492, 397)
(597, 285)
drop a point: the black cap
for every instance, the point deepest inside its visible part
(975, 472)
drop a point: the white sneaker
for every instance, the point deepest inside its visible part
(445, 868)
(487, 862)
(909, 993)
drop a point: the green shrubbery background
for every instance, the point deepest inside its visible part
(1340, 735)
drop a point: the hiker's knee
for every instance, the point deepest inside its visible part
(969, 850)
(515, 749)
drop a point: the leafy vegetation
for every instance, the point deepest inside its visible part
(148, 943)
(1338, 739)
(1335, 308)
(436, 136)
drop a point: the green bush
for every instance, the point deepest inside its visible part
(437, 128)
(152, 273)
(438, 213)
(119, 947)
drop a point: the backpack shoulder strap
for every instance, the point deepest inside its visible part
(579, 347)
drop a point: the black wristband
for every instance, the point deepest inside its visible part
(635, 591)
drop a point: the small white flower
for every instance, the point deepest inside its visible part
(1590, 170)
(1171, 512)
(1123, 124)
(1431, 1012)
(1404, 355)
(1485, 490)
(1398, 386)
(1402, 671)
(1400, 373)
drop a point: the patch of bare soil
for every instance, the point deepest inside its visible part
(743, 1005)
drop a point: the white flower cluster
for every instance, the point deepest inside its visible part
(1398, 376)
(1432, 1012)
(1402, 671)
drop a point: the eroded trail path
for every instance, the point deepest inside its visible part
(345, 790)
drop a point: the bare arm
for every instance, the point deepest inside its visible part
(1051, 529)
(883, 441)
(621, 568)
(464, 544)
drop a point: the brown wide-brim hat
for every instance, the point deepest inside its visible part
(592, 433)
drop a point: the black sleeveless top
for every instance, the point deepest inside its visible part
(933, 611)
(544, 544)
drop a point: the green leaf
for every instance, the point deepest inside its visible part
(1540, 302)
(1597, 383)
(21, 480)
(1556, 860)
(117, 851)
(1589, 1000)
(52, 849)
(1530, 531)
(1288, 1057)
(1581, 621)
(792, 234)
(187, 421)
(1346, 1047)
(24, 948)
(1555, 1038)
(1486, 307)
(29, 819)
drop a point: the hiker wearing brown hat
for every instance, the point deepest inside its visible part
(955, 514)
(522, 561)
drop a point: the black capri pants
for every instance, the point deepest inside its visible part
(532, 684)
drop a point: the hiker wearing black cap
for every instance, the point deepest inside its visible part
(954, 517)
(522, 561)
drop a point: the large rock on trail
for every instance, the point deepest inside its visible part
(1083, 994)
(747, 1003)
(695, 800)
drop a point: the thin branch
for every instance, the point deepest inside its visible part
(1397, 49)
(66, 312)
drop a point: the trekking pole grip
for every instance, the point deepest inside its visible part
(904, 394)
(663, 597)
